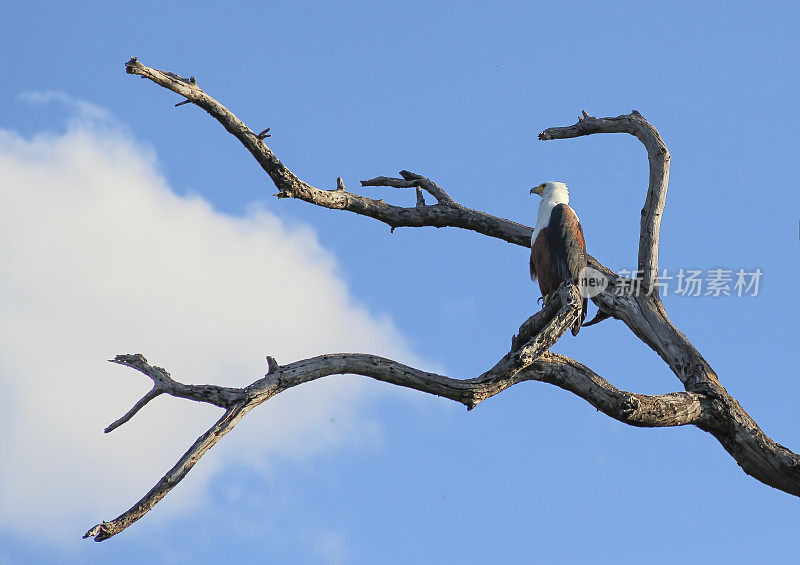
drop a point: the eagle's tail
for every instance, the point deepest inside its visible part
(577, 325)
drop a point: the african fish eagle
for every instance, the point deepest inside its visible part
(558, 250)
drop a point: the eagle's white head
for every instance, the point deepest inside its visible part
(552, 192)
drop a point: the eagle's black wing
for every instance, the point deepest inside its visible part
(568, 248)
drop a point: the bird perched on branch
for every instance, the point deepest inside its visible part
(558, 250)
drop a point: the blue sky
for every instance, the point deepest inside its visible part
(130, 225)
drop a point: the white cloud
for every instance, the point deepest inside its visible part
(83, 112)
(98, 256)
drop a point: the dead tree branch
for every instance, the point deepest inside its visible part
(531, 362)
(705, 403)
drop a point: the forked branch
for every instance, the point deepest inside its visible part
(529, 362)
(705, 403)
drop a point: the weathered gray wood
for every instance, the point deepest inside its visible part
(705, 403)
(232, 415)
(530, 363)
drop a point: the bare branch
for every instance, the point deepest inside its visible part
(224, 397)
(757, 454)
(389, 181)
(676, 409)
(549, 325)
(659, 159)
(663, 410)
(154, 392)
(705, 403)
(413, 180)
(205, 442)
(537, 322)
(427, 184)
(420, 198)
(444, 214)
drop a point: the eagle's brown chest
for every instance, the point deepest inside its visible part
(542, 267)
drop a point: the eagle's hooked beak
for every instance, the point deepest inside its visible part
(537, 189)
